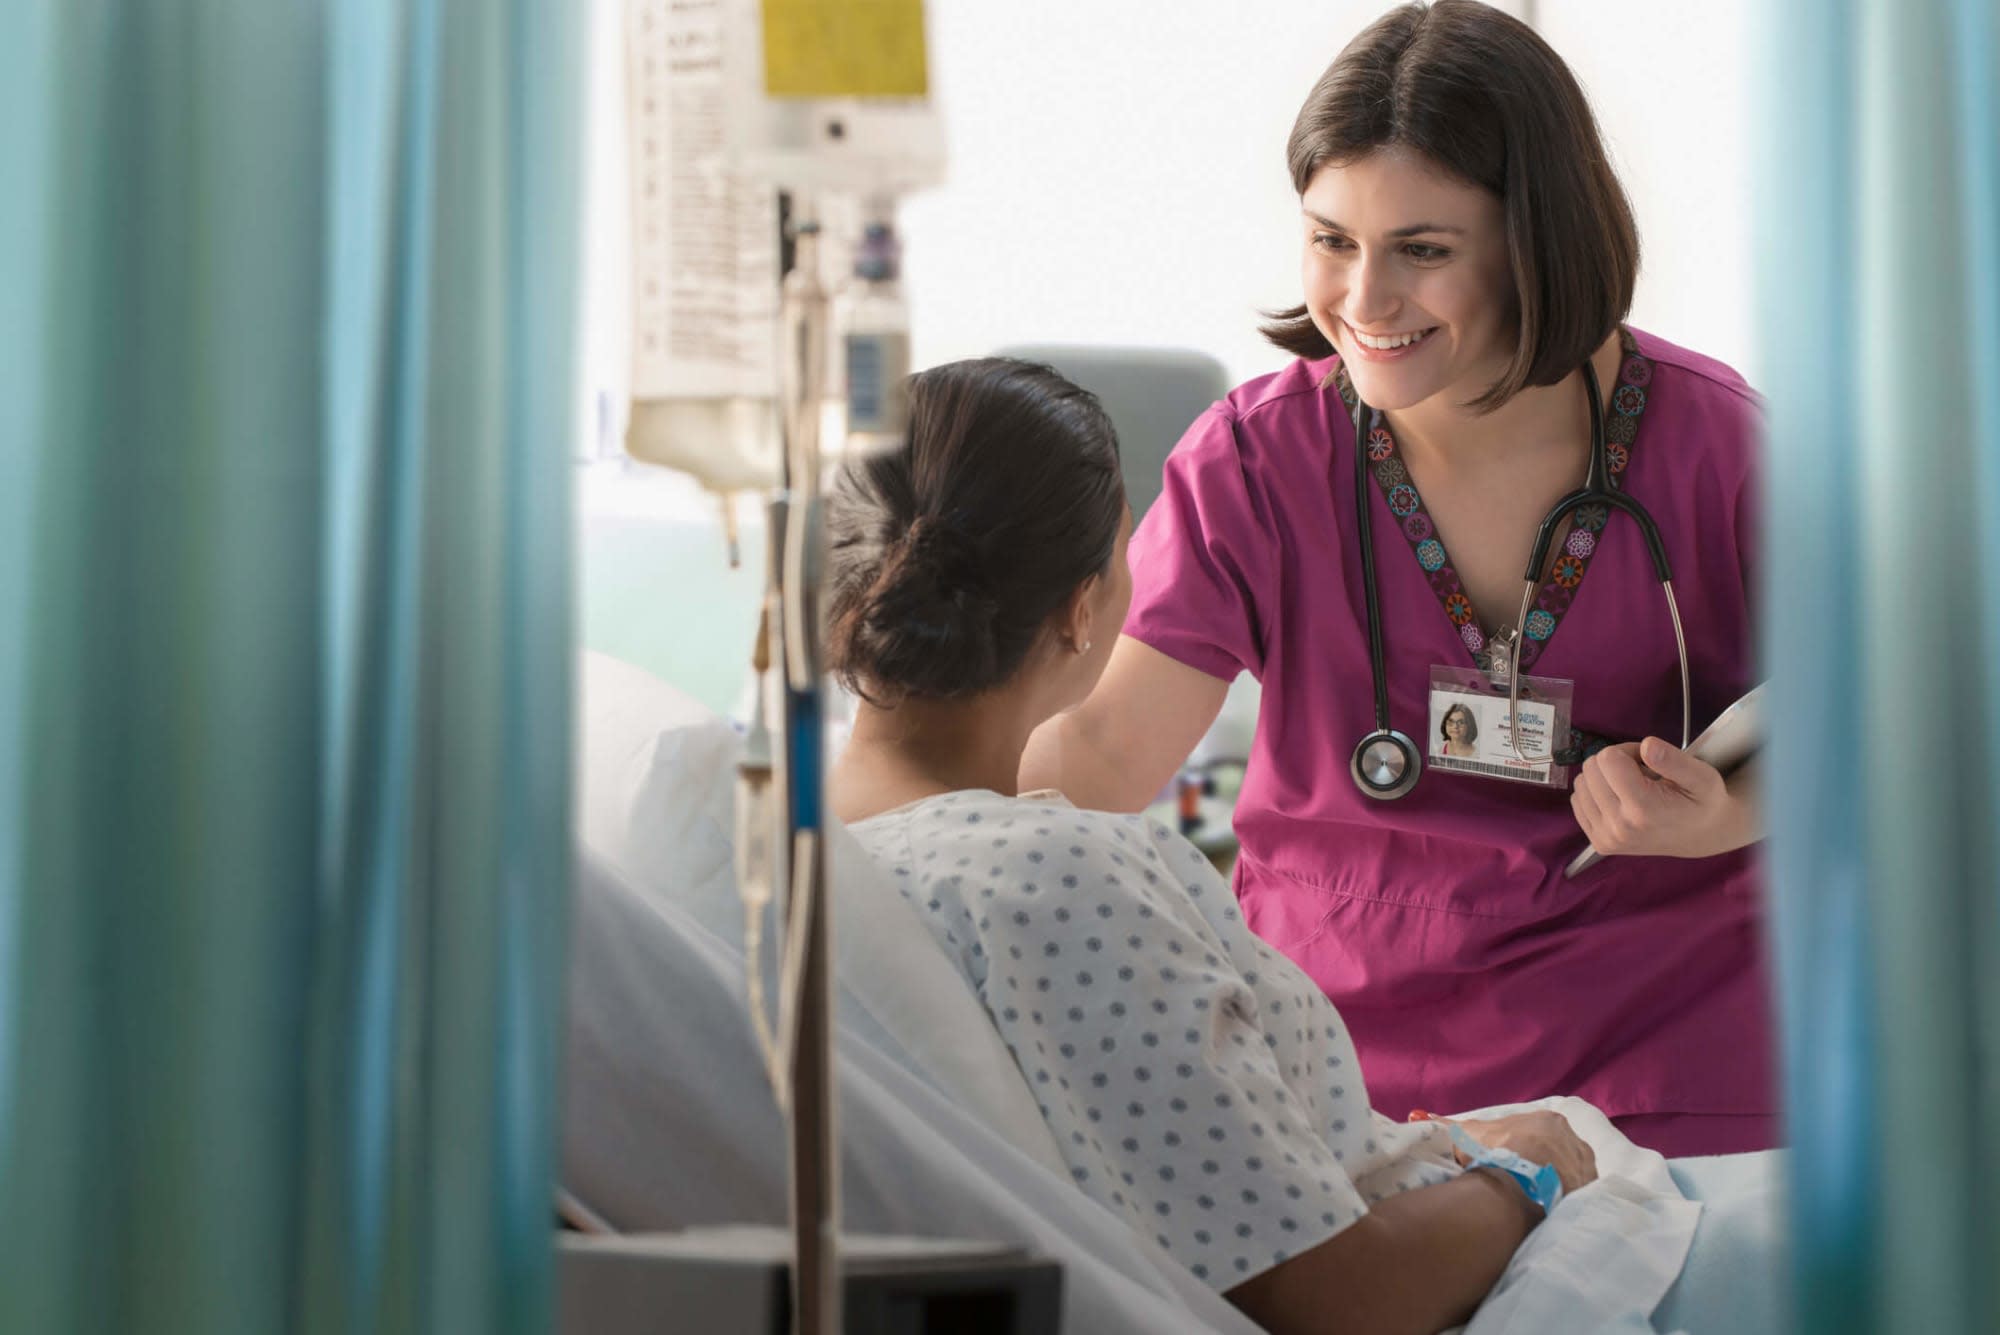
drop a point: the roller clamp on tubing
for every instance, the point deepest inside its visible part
(1540, 1181)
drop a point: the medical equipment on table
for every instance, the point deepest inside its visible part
(1733, 738)
(1386, 762)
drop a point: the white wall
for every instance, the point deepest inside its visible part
(1671, 85)
(1117, 173)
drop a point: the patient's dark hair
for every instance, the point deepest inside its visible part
(947, 554)
(1480, 94)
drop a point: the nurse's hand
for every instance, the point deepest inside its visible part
(1651, 797)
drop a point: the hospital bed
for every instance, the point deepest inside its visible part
(668, 1122)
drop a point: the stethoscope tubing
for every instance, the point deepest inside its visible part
(1597, 489)
(1386, 763)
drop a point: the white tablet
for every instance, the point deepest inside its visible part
(1726, 743)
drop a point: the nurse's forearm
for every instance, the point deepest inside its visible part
(1420, 1261)
(1118, 748)
(1067, 755)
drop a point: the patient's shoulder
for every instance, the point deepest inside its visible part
(1037, 821)
(987, 846)
(954, 831)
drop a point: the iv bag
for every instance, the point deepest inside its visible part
(724, 111)
(705, 260)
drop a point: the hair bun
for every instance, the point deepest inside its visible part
(935, 545)
(948, 557)
(928, 624)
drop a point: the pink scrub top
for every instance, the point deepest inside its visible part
(1469, 971)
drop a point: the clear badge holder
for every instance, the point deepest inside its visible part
(1471, 728)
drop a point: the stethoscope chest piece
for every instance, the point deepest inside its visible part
(1386, 764)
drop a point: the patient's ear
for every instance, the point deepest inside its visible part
(1075, 620)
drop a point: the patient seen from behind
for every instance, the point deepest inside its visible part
(1196, 1081)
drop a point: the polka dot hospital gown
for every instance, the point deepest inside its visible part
(1195, 1080)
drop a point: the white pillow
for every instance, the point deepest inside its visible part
(656, 774)
(655, 804)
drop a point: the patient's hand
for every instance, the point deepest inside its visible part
(1539, 1137)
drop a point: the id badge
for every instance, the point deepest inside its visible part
(1471, 732)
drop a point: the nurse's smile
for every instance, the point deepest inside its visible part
(1388, 347)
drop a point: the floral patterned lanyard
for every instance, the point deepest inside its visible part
(1558, 590)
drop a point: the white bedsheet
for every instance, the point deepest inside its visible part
(1607, 1254)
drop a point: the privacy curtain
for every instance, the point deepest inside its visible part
(285, 633)
(1879, 250)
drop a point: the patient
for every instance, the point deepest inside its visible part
(1195, 1080)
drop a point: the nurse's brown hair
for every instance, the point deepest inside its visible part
(947, 555)
(1479, 93)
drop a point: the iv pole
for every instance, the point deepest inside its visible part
(797, 544)
(826, 105)
(834, 110)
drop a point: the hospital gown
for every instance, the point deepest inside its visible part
(1195, 1080)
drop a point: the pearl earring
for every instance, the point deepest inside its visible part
(1084, 648)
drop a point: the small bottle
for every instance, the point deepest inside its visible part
(1190, 795)
(876, 343)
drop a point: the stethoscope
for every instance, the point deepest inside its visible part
(1386, 762)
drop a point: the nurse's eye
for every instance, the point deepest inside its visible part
(1422, 253)
(1331, 242)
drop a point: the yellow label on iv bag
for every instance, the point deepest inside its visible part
(845, 48)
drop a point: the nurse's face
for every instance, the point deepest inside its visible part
(1406, 274)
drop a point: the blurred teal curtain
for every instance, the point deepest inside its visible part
(285, 645)
(1879, 221)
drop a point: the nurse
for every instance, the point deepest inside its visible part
(1469, 259)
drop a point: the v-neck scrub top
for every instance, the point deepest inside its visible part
(1469, 971)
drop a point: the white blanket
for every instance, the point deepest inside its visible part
(1607, 1254)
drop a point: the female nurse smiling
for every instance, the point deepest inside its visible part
(1468, 262)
